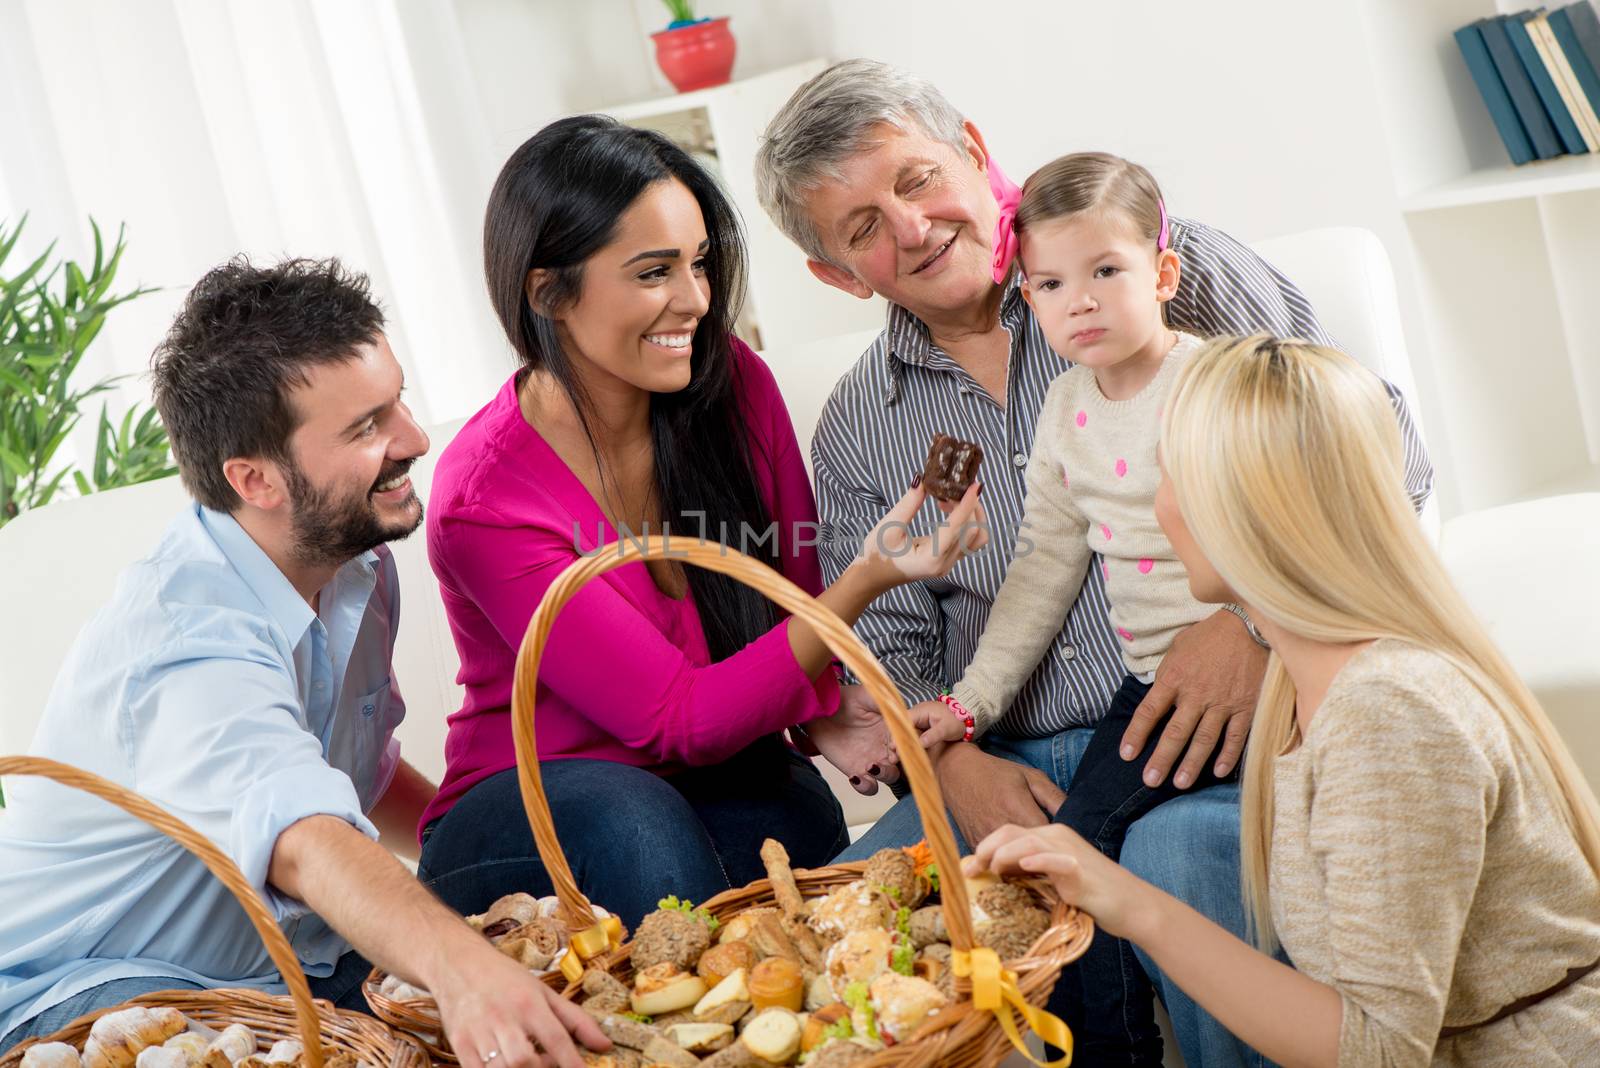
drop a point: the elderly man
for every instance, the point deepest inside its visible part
(240, 679)
(885, 187)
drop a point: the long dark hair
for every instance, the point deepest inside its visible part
(557, 202)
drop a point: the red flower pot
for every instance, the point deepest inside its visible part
(697, 56)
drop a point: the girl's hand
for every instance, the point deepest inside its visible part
(938, 723)
(891, 556)
(1081, 874)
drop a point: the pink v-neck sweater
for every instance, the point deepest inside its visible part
(626, 675)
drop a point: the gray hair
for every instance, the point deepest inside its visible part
(828, 120)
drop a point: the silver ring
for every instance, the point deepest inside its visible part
(491, 1055)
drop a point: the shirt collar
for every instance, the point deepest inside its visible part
(910, 343)
(272, 587)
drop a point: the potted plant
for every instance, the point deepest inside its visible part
(694, 53)
(48, 318)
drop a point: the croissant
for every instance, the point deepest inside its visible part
(534, 944)
(285, 1051)
(235, 1043)
(509, 913)
(116, 1038)
(192, 1044)
(51, 1055)
(161, 1057)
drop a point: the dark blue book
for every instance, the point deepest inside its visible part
(1494, 94)
(1567, 37)
(1564, 121)
(1519, 87)
(1586, 25)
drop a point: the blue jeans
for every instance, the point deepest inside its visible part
(631, 837)
(343, 988)
(1105, 996)
(1188, 847)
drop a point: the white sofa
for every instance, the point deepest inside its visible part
(58, 564)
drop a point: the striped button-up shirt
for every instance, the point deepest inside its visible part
(873, 436)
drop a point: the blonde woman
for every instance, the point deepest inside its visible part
(1415, 835)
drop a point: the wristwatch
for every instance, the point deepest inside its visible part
(1250, 628)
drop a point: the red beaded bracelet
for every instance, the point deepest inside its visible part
(961, 710)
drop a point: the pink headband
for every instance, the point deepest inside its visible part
(1009, 196)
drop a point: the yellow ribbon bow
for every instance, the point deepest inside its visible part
(993, 987)
(590, 943)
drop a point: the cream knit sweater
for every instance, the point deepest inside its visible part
(1091, 489)
(1420, 868)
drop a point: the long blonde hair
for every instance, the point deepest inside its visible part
(1286, 462)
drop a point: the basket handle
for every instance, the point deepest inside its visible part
(214, 859)
(839, 638)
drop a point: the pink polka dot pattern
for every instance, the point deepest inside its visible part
(1145, 565)
(1105, 532)
(1105, 572)
(1126, 635)
(1083, 417)
(1066, 480)
(1122, 468)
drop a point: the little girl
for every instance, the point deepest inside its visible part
(1094, 252)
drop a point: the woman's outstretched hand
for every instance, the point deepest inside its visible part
(893, 555)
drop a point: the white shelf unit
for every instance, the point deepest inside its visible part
(1507, 261)
(721, 127)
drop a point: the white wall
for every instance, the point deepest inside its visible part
(373, 130)
(301, 127)
(1257, 116)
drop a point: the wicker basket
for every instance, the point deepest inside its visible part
(315, 1023)
(961, 1035)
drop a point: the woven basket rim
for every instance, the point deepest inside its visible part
(968, 1029)
(304, 1014)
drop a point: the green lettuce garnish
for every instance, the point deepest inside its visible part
(890, 892)
(902, 921)
(932, 874)
(840, 1029)
(636, 1017)
(670, 903)
(856, 996)
(902, 958)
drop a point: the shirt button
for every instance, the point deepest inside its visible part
(1068, 652)
(1019, 459)
(319, 685)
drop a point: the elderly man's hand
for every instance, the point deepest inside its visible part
(1212, 674)
(984, 792)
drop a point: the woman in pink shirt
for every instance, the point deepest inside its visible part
(616, 265)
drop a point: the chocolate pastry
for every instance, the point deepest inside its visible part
(951, 467)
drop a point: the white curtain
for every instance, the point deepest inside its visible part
(214, 127)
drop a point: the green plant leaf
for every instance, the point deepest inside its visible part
(32, 269)
(14, 463)
(77, 285)
(7, 243)
(50, 313)
(42, 497)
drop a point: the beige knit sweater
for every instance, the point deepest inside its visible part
(1091, 489)
(1420, 869)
